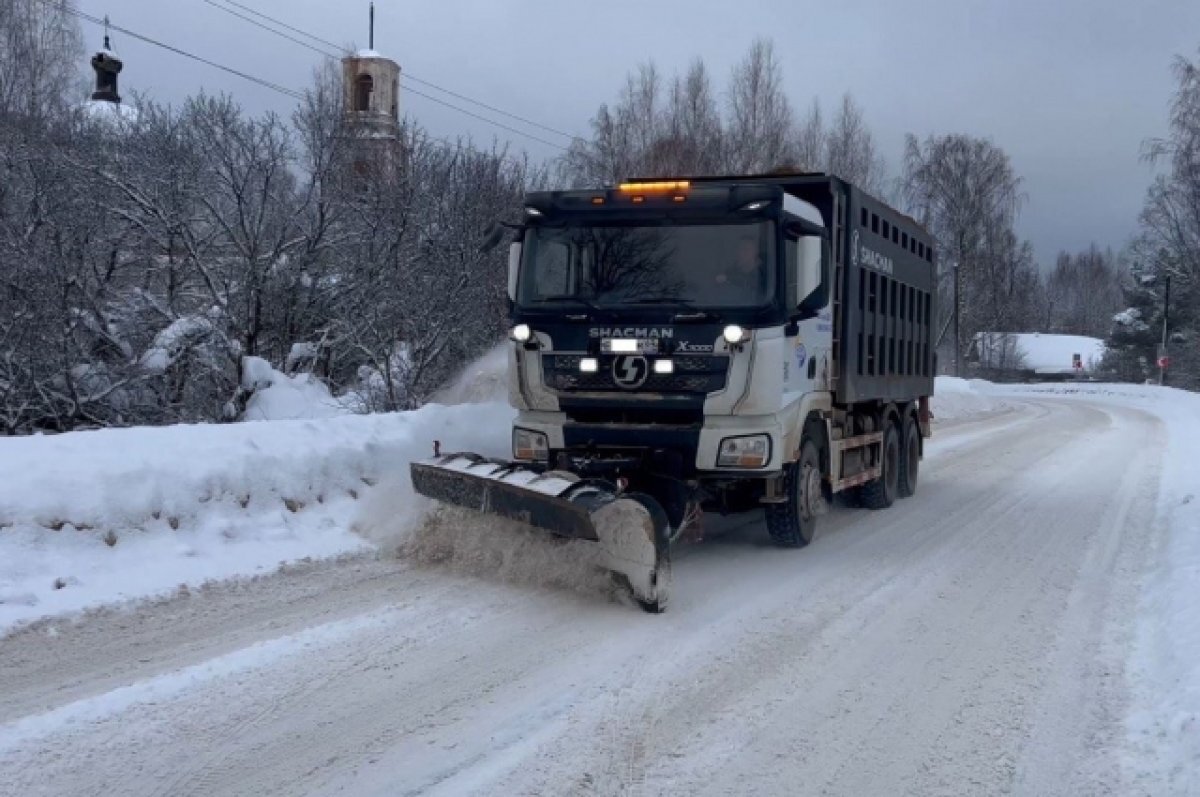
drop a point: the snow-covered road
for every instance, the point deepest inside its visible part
(971, 640)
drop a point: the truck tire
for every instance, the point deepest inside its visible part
(793, 524)
(910, 459)
(881, 493)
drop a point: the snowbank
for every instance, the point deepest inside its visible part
(955, 399)
(279, 397)
(94, 517)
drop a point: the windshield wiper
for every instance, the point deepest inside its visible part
(697, 313)
(594, 310)
(588, 303)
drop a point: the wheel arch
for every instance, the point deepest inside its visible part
(813, 407)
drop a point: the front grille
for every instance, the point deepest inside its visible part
(693, 375)
(650, 415)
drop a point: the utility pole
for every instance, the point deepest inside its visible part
(1163, 362)
(957, 322)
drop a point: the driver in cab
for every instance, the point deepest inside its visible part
(747, 273)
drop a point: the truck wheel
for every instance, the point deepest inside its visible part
(793, 524)
(881, 493)
(910, 460)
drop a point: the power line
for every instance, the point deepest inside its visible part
(501, 125)
(404, 75)
(268, 28)
(133, 35)
(326, 42)
(416, 79)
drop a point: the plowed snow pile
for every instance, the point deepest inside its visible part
(954, 399)
(89, 518)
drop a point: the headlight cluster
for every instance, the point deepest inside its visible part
(751, 451)
(530, 445)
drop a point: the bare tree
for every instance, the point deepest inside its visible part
(966, 192)
(40, 45)
(423, 298)
(810, 148)
(693, 141)
(850, 148)
(760, 116)
(1083, 293)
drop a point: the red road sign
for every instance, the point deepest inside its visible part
(1164, 362)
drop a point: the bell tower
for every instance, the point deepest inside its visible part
(371, 105)
(107, 66)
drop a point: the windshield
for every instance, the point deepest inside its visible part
(709, 265)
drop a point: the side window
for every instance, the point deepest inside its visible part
(553, 273)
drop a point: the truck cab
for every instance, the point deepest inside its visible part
(671, 331)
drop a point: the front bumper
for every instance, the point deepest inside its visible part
(696, 447)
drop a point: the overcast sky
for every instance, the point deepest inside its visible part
(1069, 88)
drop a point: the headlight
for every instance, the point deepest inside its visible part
(752, 451)
(521, 333)
(530, 445)
(734, 334)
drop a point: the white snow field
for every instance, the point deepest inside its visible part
(1027, 623)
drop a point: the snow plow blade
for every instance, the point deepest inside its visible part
(630, 528)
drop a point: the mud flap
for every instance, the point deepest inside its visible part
(632, 529)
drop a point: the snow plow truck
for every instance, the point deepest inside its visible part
(712, 344)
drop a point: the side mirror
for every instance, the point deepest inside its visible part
(492, 237)
(514, 264)
(811, 275)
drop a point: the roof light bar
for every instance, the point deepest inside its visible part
(653, 187)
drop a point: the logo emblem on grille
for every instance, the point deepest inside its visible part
(630, 371)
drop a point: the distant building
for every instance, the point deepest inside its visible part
(1033, 356)
(371, 102)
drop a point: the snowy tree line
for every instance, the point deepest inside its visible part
(142, 261)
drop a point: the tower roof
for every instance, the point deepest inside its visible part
(107, 65)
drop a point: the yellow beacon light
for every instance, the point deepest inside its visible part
(662, 186)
